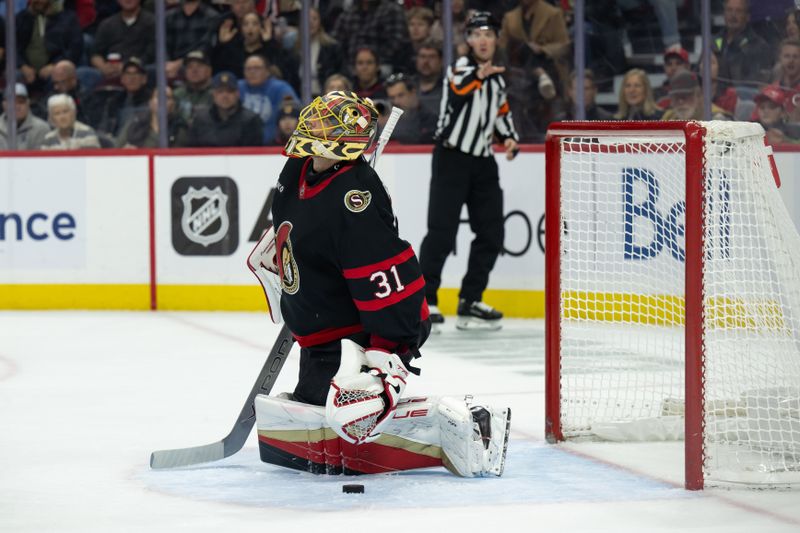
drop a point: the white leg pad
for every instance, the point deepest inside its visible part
(278, 413)
(474, 438)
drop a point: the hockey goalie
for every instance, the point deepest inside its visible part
(333, 267)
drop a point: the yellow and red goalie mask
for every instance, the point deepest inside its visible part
(337, 125)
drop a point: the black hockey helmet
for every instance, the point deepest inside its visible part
(483, 20)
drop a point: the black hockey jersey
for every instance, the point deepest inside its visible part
(344, 269)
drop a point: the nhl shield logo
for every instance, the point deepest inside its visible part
(205, 215)
(203, 210)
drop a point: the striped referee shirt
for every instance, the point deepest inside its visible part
(473, 110)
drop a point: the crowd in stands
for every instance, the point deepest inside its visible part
(86, 68)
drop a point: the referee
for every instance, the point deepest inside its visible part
(473, 109)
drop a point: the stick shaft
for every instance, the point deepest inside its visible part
(385, 135)
(235, 440)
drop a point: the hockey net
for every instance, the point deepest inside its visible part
(673, 293)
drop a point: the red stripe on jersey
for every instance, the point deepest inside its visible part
(368, 270)
(424, 312)
(327, 335)
(306, 191)
(381, 303)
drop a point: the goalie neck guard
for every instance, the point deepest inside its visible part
(338, 125)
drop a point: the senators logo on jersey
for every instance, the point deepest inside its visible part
(356, 201)
(287, 266)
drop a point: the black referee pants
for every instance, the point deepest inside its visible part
(460, 178)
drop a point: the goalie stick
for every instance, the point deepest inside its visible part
(394, 116)
(233, 441)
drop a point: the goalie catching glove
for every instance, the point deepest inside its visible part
(360, 404)
(263, 262)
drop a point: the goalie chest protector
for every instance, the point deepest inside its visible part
(343, 267)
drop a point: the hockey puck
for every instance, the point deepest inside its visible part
(353, 489)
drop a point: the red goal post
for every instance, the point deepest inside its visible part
(672, 283)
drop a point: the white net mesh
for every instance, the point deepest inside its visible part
(622, 299)
(362, 428)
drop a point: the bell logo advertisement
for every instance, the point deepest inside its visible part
(205, 216)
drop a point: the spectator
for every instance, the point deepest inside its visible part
(288, 119)
(788, 74)
(30, 128)
(605, 54)
(534, 38)
(429, 75)
(141, 130)
(591, 110)
(791, 26)
(380, 24)
(69, 133)
(417, 125)
(64, 80)
(103, 9)
(766, 19)
(46, 34)
(792, 107)
(109, 108)
(226, 123)
(743, 53)
(666, 12)
(263, 94)
(129, 33)
(19, 6)
(770, 113)
(722, 94)
(196, 90)
(636, 98)
(253, 36)
(458, 11)
(337, 82)
(326, 54)
(675, 60)
(686, 100)
(85, 10)
(367, 81)
(420, 22)
(188, 28)
(2, 50)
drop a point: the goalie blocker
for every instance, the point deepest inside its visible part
(466, 438)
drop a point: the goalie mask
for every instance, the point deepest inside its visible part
(337, 125)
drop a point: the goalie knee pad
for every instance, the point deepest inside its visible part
(474, 438)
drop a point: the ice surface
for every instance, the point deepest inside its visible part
(86, 396)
